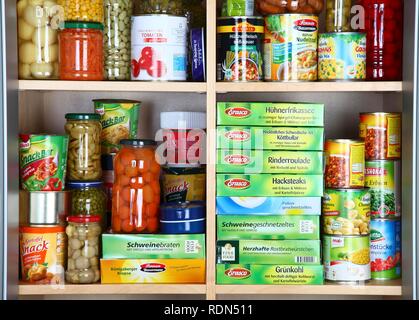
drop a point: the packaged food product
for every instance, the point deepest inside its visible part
(136, 191)
(346, 258)
(108, 176)
(290, 47)
(153, 271)
(266, 161)
(383, 177)
(83, 249)
(159, 47)
(346, 211)
(382, 134)
(81, 51)
(385, 249)
(268, 7)
(302, 252)
(148, 246)
(197, 39)
(294, 227)
(345, 163)
(42, 254)
(38, 22)
(307, 206)
(84, 130)
(175, 7)
(342, 56)
(269, 185)
(271, 274)
(117, 39)
(43, 162)
(338, 15)
(82, 10)
(119, 119)
(239, 48)
(288, 114)
(182, 218)
(233, 8)
(270, 138)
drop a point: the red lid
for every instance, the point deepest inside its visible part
(83, 219)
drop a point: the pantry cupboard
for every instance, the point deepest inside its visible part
(40, 106)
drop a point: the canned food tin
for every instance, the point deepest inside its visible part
(346, 258)
(346, 211)
(385, 249)
(383, 177)
(239, 48)
(342, 56)
(182, 218)
(345, 163)
(382, 134)
(290, 47)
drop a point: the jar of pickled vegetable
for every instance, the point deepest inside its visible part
(174, 7)
(83, 249)
(82, 10)
(84, 150)
(118, 39)
(38, 43)
(81, 51)
(338, 15)
(136, 191)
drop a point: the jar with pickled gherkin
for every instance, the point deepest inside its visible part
(174, 7)
(84, 150)
(338, 15)
(82, 10)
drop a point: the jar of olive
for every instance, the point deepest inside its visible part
(83, 234)
(84, 150)
(338, 15)
(174, 7)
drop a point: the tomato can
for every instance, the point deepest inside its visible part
(239, 48)
(346, 211)
(346, 258)
(345, 163)
(290, 47)
(383, 177)
(159, 47)
(385, 249)
(382, 134)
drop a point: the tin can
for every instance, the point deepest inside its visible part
(342, 56)
(346, 211)
(159, 47)
(382, 134)
(345, 163)
(182, 218)
(346, 258)
(239, 48)
(383, 177)
(290, 47)
(385, 249)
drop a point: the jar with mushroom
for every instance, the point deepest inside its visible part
(83, 249)
(84, 152)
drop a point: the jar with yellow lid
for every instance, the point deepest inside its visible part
(82, 10)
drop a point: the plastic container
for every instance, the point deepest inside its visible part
(338, 15)
(136, 191)
(84, 153)
(266, 7)
(81, 51)
(82, 10)
(182, 218)
(83, 234)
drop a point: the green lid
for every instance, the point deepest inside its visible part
(82, 25)
(82, 116)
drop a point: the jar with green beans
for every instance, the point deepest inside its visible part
(338, 15)
(174, 7)
(117, 39)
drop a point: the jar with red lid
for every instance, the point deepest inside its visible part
(81, 51)
(384, 29)
(136, 190)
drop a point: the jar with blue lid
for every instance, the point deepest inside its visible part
(182, 218)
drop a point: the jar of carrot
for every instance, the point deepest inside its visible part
(136, 190)
(81, 51)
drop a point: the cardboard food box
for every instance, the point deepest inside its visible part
(151, 246)
(270, 114)
(303, 252)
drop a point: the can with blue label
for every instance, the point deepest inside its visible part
(385, 249)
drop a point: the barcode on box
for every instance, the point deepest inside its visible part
(305, 259)
(192, 246)
(306, 226)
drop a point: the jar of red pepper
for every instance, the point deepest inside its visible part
(81, 51)
(384, 29)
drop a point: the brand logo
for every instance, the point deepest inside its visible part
(376, 236)
(237, 183)
(238, 273)
(36, 248)
(152, 267)
(360, 49)
(178, 188)
(25, 142)
(238, 112)
(307, 25)
(100, 110)
(244, 27)
(337, 242)
(237, 159)
(237, 135)
(376, 172)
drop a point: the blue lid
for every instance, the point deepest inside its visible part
(107, 161)
(182, 211)
(84, 184)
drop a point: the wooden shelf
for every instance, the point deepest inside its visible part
(122, 86)
(356, 86)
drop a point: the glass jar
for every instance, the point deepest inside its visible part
(84, 150)
(268, 7)
(118, 39)
(174, 7)
(384, 29)
(81, 51)
(136, 191)
(82, 10)
(338, 15)
(83, 234)
(37, 36)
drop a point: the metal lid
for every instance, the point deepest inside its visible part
(381, 113)
(182, 211)
(82, 25)
(137, 142)
(344, 141)
(114, 101)
(84, 184)
(181, 170)
(183, 120)
(82, 116)
(83, 219)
